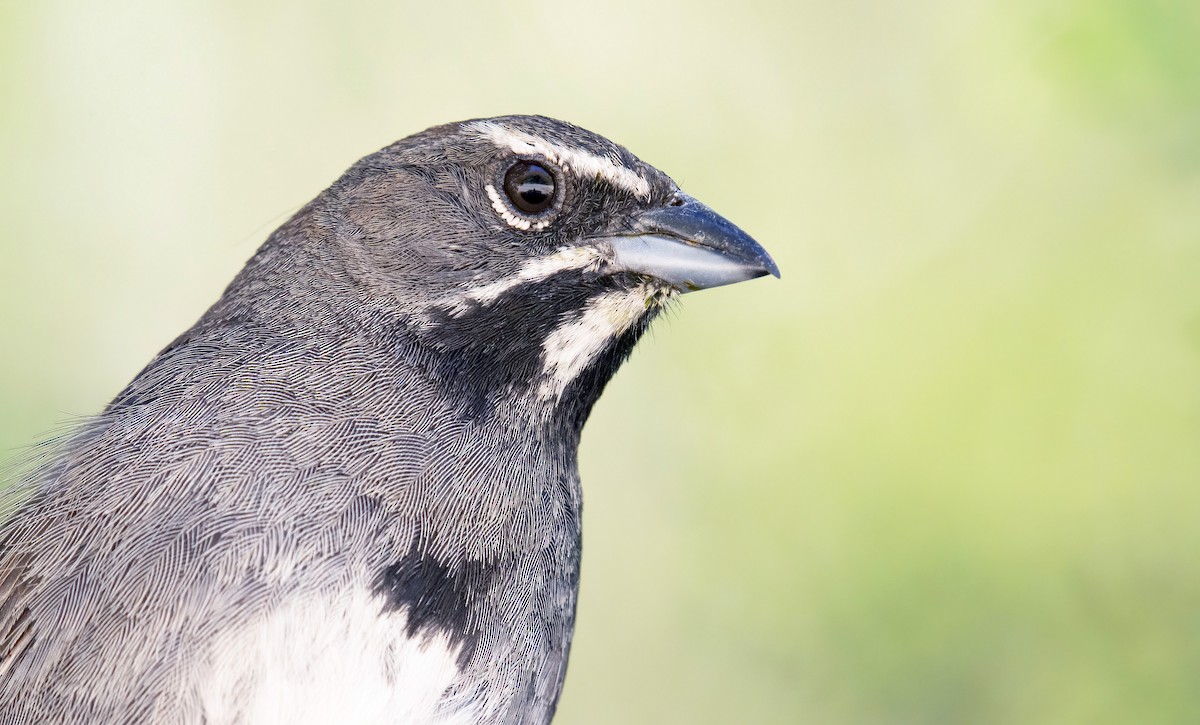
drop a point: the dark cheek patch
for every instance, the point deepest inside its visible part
(497, 346)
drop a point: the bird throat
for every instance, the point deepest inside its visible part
(545, 349)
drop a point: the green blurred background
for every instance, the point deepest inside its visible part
(945, 471)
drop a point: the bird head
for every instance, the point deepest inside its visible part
(526, 253)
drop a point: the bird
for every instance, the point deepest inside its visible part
(349, 492)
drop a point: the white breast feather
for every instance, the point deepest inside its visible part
(330, 660)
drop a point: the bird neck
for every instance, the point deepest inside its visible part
(493, 363)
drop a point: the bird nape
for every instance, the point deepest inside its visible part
(349, 492)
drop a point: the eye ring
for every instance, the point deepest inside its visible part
(530, 187)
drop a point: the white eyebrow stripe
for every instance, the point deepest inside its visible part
(579, 162)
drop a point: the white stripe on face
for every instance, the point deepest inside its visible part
(574, 161)
(567, 351)
(535, 270)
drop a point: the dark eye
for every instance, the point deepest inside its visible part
(530, 187)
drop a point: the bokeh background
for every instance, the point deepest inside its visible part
(945, 471)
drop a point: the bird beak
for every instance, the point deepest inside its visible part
(689, 246)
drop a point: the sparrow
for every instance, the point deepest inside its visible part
(349, 493)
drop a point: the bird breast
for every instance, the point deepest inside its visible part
(331, 658)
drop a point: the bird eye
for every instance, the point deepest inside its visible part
(530, 187)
